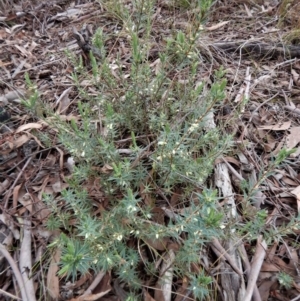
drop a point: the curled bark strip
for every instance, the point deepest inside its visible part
(222, 254)
(260, 49)
(257, 262)
(244, 256)
(25, 262)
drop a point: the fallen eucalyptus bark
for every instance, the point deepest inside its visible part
(260, 49)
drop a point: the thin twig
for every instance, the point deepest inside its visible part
(15, 182)
(9, 295)
(262, 104)
(15, 270)
(296, 298)
(95, 282)
(221, 253)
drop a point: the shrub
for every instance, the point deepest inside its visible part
(143, 137)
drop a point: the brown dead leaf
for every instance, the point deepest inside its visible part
(175, 198)
(182, 290)
(4, 64)
(83, 279)
(277, 127)
(157, 66)
(6, 147)
(157, 244)
(21, 140)
(147, 296)
(106, 168)
(3, 33)
(276, 265)
(40, 209)
(24, 198)
(63, 101)
(23, 51)
(293, 138)
(35, 139)
(217, 26)
(91, 297)
(16, 192)
(293, 254)
(52, 278)
(5, 185)
(229, 160)
(268, 147)
(158, 215)
(59, 186)
(29, 126)
(289, 181)
(147, 197)
(61, 158)
(296, 193)
(104, 284)
(265, 288)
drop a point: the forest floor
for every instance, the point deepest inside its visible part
(35, 38)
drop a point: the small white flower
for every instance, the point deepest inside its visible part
(131, 209)
(100, 247)
(193, 127)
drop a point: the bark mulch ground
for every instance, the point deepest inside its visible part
(255, 42)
